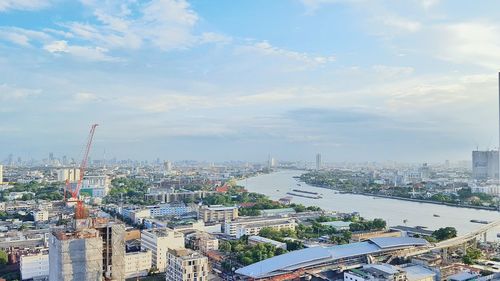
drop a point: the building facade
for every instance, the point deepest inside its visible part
(186, 265)
(485, 165)
(137, 264)
(255, 225)
(218, 213)
(34, 266)
(159, 241)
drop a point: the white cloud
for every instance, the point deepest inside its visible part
(212, 37)
(475, 43)
(10, 93)
(427, 4)
(6, 5)
(86, 52)
(166, 24)
(264, 48)
(21, 36)
(392, 71)
(84, 97)
(401, 24)
(313, 5)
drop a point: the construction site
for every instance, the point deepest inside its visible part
(89, 248)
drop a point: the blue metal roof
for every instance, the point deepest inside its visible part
(396, 242)
(317, 255)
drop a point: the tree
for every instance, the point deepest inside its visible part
(471, 255)
(379, 224)
(4, 258)
(445, 233)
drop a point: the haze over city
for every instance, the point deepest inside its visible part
(355, 80)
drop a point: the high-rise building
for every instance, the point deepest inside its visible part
(186, 264)
(485, 165)
(75, 256)
(68, 174)
(318, 161)
(167, 165)
(1, 174)
(159, 241)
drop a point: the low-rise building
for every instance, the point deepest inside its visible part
(34, 266)
(254, 225)
(203, 242)
(186, 265)
(338, 225)
(159, 241)
(137, 264)
(40, 215)
(218, 213)
(375, 272)
(277, 212)
(254, 239)
(463, 276)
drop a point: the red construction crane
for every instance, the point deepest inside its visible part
(80, 210)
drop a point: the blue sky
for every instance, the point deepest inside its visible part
(356, 80)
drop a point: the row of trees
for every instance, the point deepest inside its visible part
(50, 191)
(131, 190)
(247, 254)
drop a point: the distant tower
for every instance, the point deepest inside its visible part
(167, 166)
(318, 161)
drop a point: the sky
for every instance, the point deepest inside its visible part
(354, 80)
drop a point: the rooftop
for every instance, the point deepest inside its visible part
(318, 255)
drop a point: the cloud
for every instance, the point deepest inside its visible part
(166, 24)
(313, 5)
(21, 36)
(427, 4)
(86, 97)
(27, 5)
(392, 71)
(332, 115)
(264, 48)
(10, 93)
(475, 43)
(212, 37)
(400, 23)
(86, 52)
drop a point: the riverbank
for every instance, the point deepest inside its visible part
(487, 208)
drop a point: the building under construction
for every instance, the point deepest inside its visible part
(75, 256)
(113, 249)
(93, 250)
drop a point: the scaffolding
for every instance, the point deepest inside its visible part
(75, 256)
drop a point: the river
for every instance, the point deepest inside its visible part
(277, 184)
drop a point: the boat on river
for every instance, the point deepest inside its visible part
(305, 195)
(480, 221)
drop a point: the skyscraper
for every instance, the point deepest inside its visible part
(485, 165)
(318, 161)
(1, 174)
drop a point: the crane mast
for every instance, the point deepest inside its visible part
(80, 211)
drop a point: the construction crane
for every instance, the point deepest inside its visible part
(80, 211)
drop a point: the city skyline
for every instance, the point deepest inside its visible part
(353, 80)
